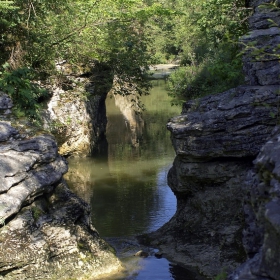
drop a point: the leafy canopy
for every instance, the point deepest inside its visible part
(203, 38)
(127, 36)
(37, 33)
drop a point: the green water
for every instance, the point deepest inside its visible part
(127, 187)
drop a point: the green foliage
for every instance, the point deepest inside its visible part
(215, 73)
(221, 276)
(126, 35)
(6, 5)
(36, 212)
(19, 86)
(36, 34)
(203, 38)
(222, 19)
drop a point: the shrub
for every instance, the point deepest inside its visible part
(216, 72)
(25, 93)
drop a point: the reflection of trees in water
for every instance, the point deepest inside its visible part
(122, 199)
(122, 188)
(131, 112)
(129, 204)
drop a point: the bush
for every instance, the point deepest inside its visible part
(24, 93)
(217, 72)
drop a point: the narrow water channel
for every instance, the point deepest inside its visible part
(127, 186)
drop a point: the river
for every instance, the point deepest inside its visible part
(126, 187)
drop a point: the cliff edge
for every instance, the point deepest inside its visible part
(216, 139)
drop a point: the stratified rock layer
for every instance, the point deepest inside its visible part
(45, 230)
(261, 44)
(216, 138)
(261, 234)
(235, 123)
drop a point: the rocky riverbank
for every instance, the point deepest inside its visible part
(222, 212)
(45, 232)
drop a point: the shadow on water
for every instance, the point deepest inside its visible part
(127, 186)
(149, 268)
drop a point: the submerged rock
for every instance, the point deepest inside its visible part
(142, 254)
(45, 230)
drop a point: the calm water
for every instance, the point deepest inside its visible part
(127, 186)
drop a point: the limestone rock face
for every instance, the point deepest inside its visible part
(73, 121)
(28, 169)
(45, 230)
(216, 139)
(52, 238)
(5, 102)
(261, 59)
(76, 112)
(235, 123)
(262, 216)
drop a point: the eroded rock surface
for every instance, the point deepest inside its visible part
(261, 44)
(216, 139)
(235, 123)
(76, 112)
(262, 216)
(45, 230)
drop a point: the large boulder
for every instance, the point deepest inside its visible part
(233, 124)
(216, 139)
(45, 230)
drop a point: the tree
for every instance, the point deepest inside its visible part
(36, 34)
(204, 40)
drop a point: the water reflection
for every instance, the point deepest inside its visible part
(133, 120)
(127, 186)
(127, 197)
(163, 270)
